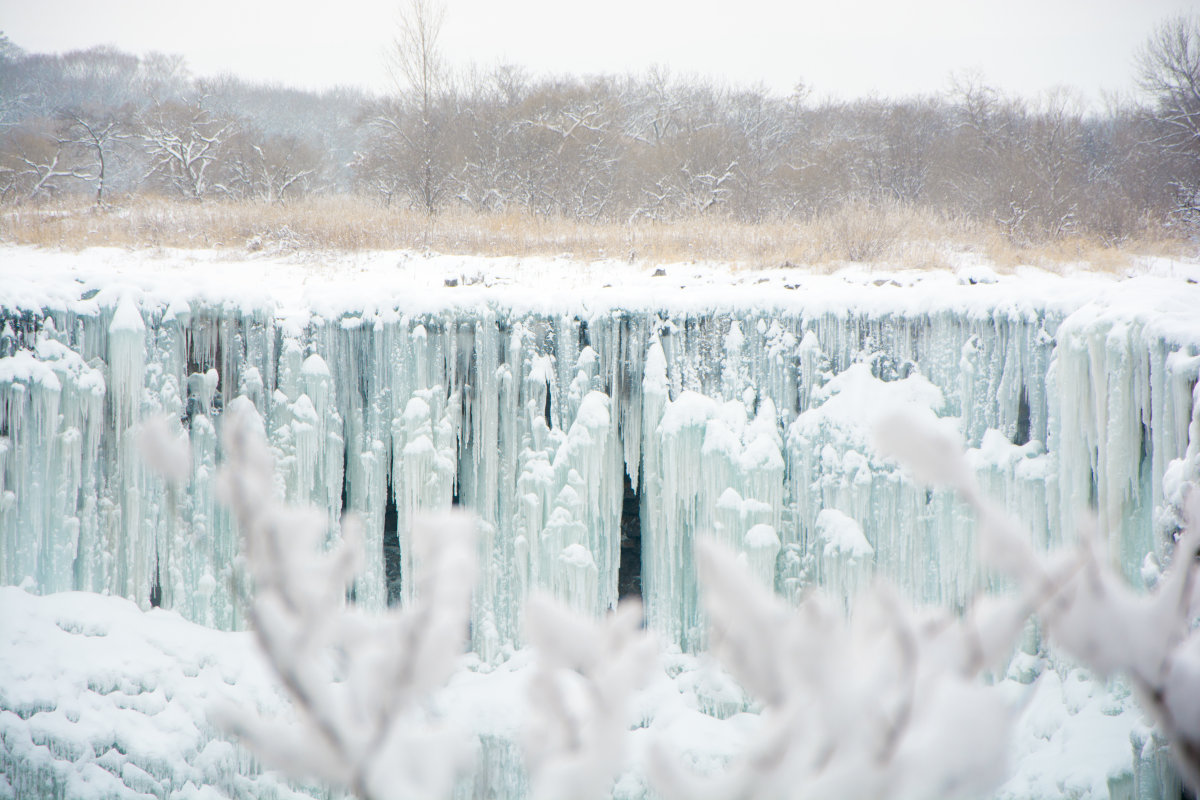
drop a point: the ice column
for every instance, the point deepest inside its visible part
(708, 470)
(52, 404)
(917, 535)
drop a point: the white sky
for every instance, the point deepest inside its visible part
(845, 48)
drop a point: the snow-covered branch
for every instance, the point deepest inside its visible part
(886, 703)
(183, 143)
(580, 696)
(359, 684)
(1085, 604)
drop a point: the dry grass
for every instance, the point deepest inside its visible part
(897, 236)
(1080, 251)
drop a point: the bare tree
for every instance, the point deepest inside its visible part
(34, 160)
(269, 168)
(96, 131)
(11, 92)
(418, 70)
(1169, 71)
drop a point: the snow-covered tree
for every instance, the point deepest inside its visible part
(269, 168)
(1169, 71)
(586, 675)
(37, 160)
(97, 132)
(185, 144)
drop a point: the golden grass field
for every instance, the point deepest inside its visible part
(898, 237)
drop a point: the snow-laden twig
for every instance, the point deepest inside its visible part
(883, 704)
(586, 675)
(360, 684)
(166, 449)
(1085, 604)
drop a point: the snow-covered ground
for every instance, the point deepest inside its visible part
(99, 699)
(329, 284)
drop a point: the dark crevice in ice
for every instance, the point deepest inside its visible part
(629, 575)
(1022, 435)
(351, 592)
(218, 364)
(391, 546)
(1094, 489)
(193, 362)
(156, 588)
(346, 479)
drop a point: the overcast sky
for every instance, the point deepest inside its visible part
(844, 48)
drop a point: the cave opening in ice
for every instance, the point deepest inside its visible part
(629, 576)
(391, 545)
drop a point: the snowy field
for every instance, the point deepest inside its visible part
(102, 696)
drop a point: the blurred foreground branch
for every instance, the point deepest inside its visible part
(884, 704)
(1087, 607)
(359, 683)
(587, 674)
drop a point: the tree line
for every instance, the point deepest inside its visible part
(610, 148)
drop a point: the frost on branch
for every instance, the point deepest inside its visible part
(360, 684)
(587, 673)
(1085, 604)
(883, 704)
(166, 449)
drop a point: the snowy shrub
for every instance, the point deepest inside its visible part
(883, 704)
(586, 675)
(359, 683)
(1087, 607)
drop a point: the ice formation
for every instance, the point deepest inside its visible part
(744, 416)
(746, 423)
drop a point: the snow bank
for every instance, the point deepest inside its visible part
(99, 699)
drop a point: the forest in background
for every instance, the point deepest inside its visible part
(503, 148)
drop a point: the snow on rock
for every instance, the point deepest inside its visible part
(1073, 739)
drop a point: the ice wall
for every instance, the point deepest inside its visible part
(748, 422)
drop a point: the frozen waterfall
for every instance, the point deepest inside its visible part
(746, 422)
(599, 421)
